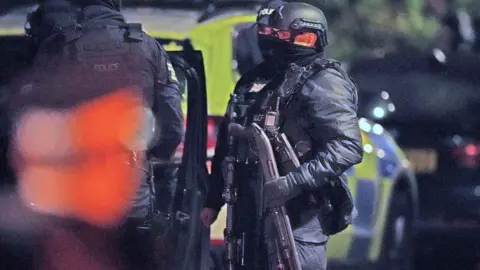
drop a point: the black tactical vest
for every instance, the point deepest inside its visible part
(88, 62)
(259, 96)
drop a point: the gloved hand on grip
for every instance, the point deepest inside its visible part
(277, 192)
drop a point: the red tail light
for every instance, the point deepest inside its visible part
(467, 155)
(212, 132)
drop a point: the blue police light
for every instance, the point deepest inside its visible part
(379, 112)
(364, 125)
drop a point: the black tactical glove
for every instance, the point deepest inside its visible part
(277, 192)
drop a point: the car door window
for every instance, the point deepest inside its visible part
(189, 239)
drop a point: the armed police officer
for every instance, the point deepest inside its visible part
(317, 106)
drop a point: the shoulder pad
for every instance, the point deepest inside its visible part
(323, 63)
(134, 31)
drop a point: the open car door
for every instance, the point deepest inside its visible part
(188, 239)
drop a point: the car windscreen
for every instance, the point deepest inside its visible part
(419, 97)
(447, 96)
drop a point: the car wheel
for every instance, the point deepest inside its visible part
(398, 248)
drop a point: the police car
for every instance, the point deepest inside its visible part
(436, 123)
(202, 46)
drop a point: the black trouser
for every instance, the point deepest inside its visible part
(137, 246)
(312, 256)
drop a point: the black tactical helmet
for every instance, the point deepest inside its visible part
(267, 8)
(296, 18)
(50, 17)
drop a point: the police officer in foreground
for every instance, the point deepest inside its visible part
(159, 83)
(161, 88)
(55, 23)
(84, 50)
(318, 114)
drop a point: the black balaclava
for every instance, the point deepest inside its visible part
(282, 52)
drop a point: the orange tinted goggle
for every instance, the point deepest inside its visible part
(296, 37)
(269, 31)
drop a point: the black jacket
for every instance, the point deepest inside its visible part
(161, 88)
(166, 97)
(324, 109)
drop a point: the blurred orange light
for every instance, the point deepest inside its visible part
(89, 174)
